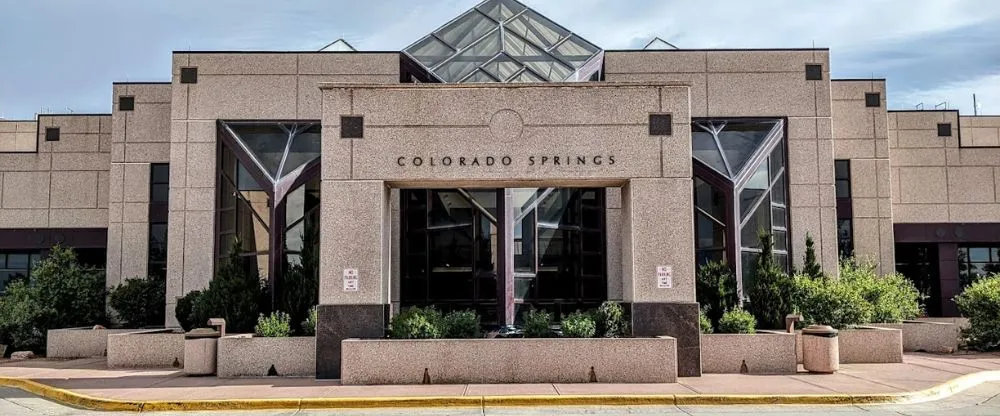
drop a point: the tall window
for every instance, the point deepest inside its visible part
(845, 211)
(16, 265)
(740, 191)
(159, 191)
(975, 262)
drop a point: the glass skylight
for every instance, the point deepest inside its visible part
(504, 41)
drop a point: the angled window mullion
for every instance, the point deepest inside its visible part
(709, 216)
(246, 151)
(468, 197)
(460, 51)
(762, 153)
(288, 146)
(760, 201)
(517, 73)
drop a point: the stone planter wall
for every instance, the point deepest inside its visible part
(250, 356)
(961, 322)
(761, 353)
(83, 342)
(864, 345)
(936, 337)
(155, 348)
(510, 360)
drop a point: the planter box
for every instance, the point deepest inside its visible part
(866, 344)
(83, 342)
(962, 323)
(154, 348)
(509, 360)
(925, 336)
(761, 353)
(250, 356)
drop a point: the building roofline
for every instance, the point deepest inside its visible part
(283, 52)
(932, 110)
(722, 50)
(73, 114)
(10, 120)
(857, 79)
(141, 83)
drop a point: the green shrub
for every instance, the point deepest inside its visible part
(578, 325)
(298, 290)
(893, 297)
(716, 290)
(235, 294)
(770, 290)
(309, 325)
(810, 266)
(461, 324)
(139, 302)
(980, 302)
(833, 302)
(737, 321)
(62, 294)
(416, 323)
(610, 320)
(276, 325)
(184, 311)
(537, 324)
(704, 323)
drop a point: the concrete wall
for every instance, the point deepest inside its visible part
(934, 180)
(18, 136)
(138, 137)
(861, 135)
(767, 83)
(237, 86)
(64, 183)
(980, 131)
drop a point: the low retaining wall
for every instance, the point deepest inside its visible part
(250, 356)
(760, 353)
(927, 336)
(961, 322)
(509, 360)
(82, 342)
(155, 348)
(864, 345)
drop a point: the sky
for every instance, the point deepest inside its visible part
(62, 55)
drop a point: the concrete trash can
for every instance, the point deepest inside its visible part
(200, 348)
(820, 349)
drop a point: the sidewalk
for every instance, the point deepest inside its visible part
(91, 377)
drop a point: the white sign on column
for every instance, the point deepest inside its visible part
(350, 280)
(664, 277)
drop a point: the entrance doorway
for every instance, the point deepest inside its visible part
(501, 251)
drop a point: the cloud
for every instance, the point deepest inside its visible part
(957, 95)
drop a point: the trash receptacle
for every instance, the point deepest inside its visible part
(820, 349)
(200, 347)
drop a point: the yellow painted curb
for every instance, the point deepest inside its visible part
(78, 400)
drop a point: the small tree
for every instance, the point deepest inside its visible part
(235, 294)
(298, 291)
(811, 268)
(771, 289)
(139, 302)
(716, 290)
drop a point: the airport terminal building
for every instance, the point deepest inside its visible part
(502, 162)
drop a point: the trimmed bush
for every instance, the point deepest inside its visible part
(737, 321)
(537, 324)
(610, 320)
(810, 267)
(893, 297)
(309, 325)
(235, 294)
(716, 290)
(184, 311)
(139, 302)
(833, 302)
(578, 325)
(771, 289)
(461, 324)
(416, 323)
(704, 323)
(276, 325)
(980, 302)
(19, 318)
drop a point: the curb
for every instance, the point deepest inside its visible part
(70, 398)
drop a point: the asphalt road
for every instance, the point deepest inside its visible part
(981, 400)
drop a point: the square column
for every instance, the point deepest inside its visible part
(658, 233)
(354, 245)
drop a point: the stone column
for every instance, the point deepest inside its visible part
(658, 231)
(354, 236)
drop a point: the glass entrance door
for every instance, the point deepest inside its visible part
(502, 251)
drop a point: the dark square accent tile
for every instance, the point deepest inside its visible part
(944, 129)
(678, 320)
(52, 134)
(189, 75)
(661, 125)
(814, 72)
(339, 322)
(126, 103)
(873, 99)
(352, 127)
